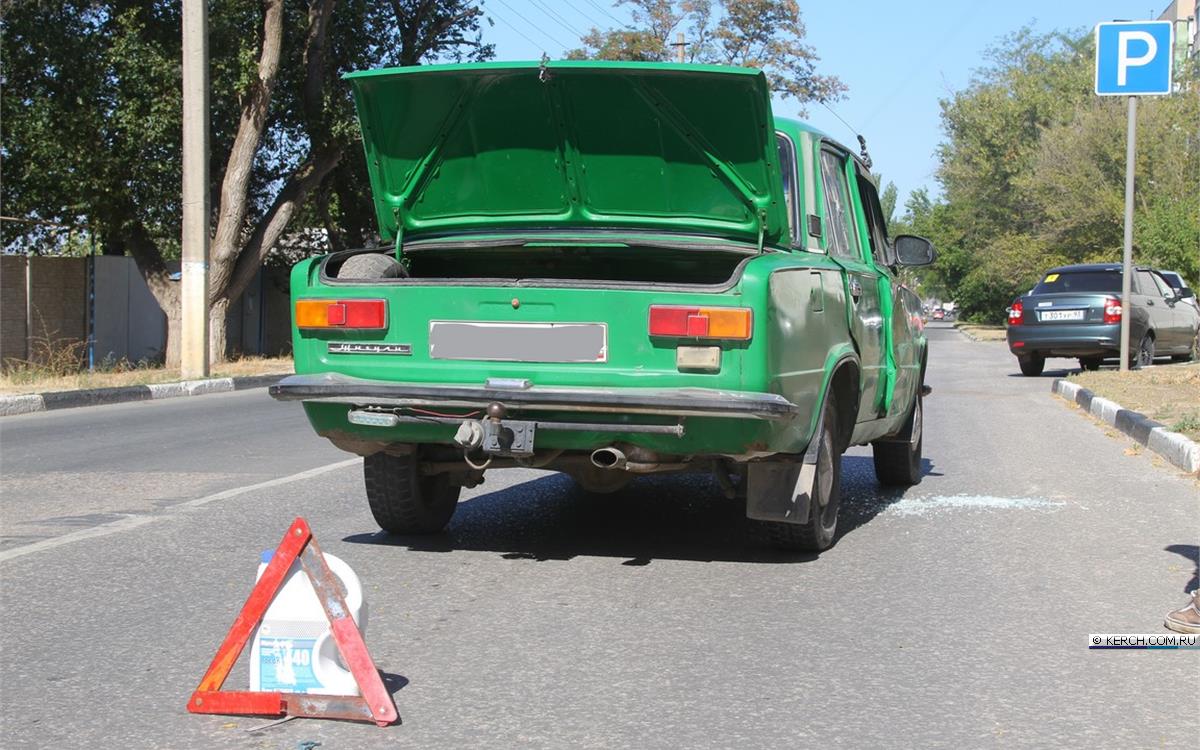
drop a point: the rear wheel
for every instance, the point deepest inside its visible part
(1144, 356)
(816, 533)
(1031, 364)
(898, 463)
(402, 500)
(1090, 363)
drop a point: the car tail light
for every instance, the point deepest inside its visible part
(701, 322)
(1016, 313)
(341, 313)
(1112, 310)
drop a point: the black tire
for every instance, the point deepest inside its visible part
(1090, 363)
(817, 533)
(898, 463)
(371, 266)
(1143, 356)
(402, 500)
(1031, 364)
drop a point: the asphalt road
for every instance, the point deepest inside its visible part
(955, 614)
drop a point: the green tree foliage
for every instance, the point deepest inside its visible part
(887, 201)
(1032, 169)
(764, 34)
(92, 121)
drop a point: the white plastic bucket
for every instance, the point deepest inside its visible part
(293, 650)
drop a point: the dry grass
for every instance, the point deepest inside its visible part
(982, 333)
(1166, 394)
(31, 380)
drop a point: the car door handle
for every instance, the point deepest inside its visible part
(1150, 302)
(855, 289)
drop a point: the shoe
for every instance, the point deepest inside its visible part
(1186, 620)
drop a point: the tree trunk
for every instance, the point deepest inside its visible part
(218, 331)
(166, 293)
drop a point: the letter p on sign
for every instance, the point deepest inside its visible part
(1133, 58)
(1125, 60)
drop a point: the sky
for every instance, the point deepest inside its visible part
(897, 58)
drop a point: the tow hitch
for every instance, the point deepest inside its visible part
(495, 435)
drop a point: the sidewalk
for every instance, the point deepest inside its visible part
(1175, 448)
(51, 400)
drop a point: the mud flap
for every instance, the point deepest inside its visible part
(778, 491)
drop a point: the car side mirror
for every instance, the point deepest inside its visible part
(914, 251)
(1186, 293)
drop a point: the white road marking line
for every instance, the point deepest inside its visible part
(225, 494)
(128, 522)
(131, 522)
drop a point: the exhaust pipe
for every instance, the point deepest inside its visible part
(608, 458)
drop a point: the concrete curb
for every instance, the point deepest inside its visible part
(1179, 450)
(28, 403)
(969, 335)
(972, 337)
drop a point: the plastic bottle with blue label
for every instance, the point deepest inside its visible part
(293, 650)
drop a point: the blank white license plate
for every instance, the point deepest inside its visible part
(1061, 315)
(518, 342)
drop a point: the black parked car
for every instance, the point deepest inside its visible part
(1075, 311)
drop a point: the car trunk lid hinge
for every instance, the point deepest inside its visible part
(399, 235)
(762, 228)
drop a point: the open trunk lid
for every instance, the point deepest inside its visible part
(675, 148)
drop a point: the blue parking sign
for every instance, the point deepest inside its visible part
(1133, 58)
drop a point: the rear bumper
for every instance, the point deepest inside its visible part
(700, 402)
(1065, 340)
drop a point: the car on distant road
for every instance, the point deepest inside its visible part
(1075, 311)
(939, 314)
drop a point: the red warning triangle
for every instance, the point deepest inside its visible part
(376, 703)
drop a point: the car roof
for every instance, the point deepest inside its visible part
(1095, 267)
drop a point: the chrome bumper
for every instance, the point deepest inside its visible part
(697, 402)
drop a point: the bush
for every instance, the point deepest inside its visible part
(1011, 265)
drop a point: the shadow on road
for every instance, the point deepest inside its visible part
(682, 517)
(1047, 373)
(1191, 553)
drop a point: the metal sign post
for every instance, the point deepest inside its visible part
(1133, 58)
(1127, 257)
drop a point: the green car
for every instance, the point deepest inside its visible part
(610, 269)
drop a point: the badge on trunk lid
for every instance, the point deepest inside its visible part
(360, 347)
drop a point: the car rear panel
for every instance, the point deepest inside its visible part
(429, 334)
(1065, 323)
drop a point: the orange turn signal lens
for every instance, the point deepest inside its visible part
(360, 314)
(728, 323)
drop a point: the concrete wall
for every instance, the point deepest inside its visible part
(129, 323)
(58, 289)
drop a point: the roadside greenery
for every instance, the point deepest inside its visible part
(92, 120)
(1033, 175)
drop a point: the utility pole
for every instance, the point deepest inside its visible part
(194, 284)
(680, 47)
